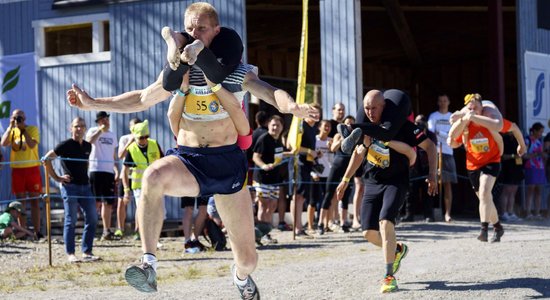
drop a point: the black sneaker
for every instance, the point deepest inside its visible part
(483, 235)
(142, 277)
(39, 235)
(497, 234)
(249, 291)
(107, 236)
(354, 139)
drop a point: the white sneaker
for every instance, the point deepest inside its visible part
(513, 218)
(73, 259)
(505, 217)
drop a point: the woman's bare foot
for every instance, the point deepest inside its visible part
(173, 52)
(191, 51)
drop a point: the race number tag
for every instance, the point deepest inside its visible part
(201, 101)
(379, 155)
(480, 145)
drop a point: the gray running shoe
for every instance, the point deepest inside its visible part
(142, 277)
(249, 291)
(349, 143)
(343, 130)
(497, 234)
(483, 235)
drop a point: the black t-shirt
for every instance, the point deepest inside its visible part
(129, 161)
(308, 141)
(78, 170)
(268, 147)
(255, 135)
(398, 169)
(547, 139)
(333, 128)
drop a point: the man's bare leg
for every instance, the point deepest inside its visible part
(389, 243)
(357, 198)
(296, 209)
(121, 214)
(448, 196)
(106, 213)
(373, 237)
(236, 212)
(166, 176)
(35, 211)
(487, 209)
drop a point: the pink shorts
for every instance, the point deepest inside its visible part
(26, 180)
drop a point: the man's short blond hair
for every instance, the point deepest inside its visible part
(203, 8)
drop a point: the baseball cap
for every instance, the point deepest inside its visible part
(100, 115)
(17, 206)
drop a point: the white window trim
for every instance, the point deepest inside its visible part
(97, 40)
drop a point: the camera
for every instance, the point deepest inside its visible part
(19, 119)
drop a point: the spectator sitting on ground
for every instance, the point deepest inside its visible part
(8, 222)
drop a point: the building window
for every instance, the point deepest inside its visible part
(72, 40)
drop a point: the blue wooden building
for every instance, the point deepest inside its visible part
(111, 46)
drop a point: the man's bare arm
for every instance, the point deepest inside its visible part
(277, 98)
(429, 146)
(133, 101)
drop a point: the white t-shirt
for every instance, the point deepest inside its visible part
(439, 124)
(327, 156)
(103, 151)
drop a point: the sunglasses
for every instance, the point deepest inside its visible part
(144, 137)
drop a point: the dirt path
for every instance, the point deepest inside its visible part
(445, 261)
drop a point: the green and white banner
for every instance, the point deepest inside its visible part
(18, 90)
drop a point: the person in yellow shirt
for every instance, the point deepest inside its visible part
(26, 180)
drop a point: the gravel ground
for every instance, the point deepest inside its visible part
(445, 261)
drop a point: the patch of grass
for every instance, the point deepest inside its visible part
(192, 272)
(106, 270)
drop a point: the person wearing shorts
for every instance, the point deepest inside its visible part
(385, 185)
(193, 225)
(439, 123)
(306, 157)
(103, 171)
(482, 160)
(268, 154)
(26, 180)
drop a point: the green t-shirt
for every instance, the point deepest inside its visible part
(5, 220)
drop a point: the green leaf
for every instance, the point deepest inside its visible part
(10, 85)
(10, 80)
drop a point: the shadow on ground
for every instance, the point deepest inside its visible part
(540, 285)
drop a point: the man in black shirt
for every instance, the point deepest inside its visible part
(75, 189)
(385, 185)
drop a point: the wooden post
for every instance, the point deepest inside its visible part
(439, 177)
(48, 214)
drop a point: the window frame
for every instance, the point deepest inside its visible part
(98, 38)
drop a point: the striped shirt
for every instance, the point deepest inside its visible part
(202, 104)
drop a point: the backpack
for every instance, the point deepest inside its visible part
(213, 233)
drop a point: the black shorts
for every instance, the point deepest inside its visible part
(381, 202)
(218, 170)
(304, 180)
(491, 169)
(103, 186)
(121, 187)
(190, 201)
